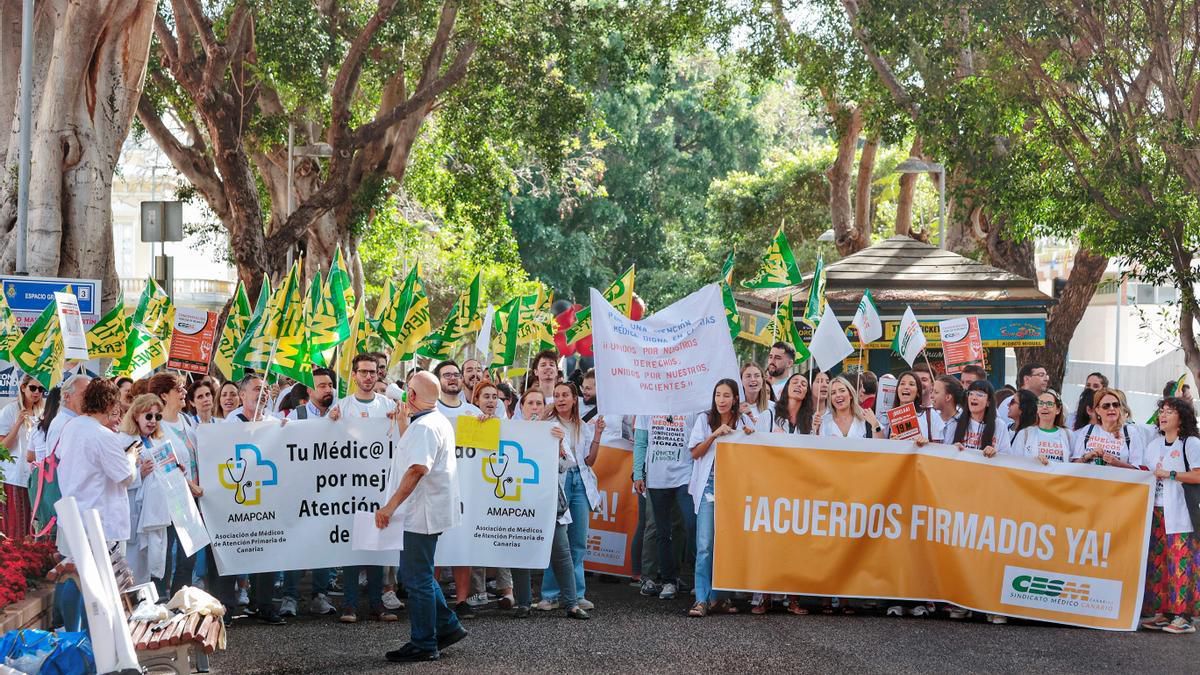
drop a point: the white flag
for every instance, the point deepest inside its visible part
(483, 343)
(909, 340)
(829, 342)
(866, 319)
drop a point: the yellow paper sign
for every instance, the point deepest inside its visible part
(469, 432)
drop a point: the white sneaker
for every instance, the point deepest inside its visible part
(1179, 626)
(958, 613)
(997, 619)
(895, 610)
(667, 592)
(547, 605)
(392, 601)
(586, 604)
(478, 600)
(287, 607)
(920, 611)
(243, 598)
(321, 605)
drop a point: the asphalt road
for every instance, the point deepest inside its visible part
(630, 633)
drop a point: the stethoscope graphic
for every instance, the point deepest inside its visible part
(239, 490)
(501, 489)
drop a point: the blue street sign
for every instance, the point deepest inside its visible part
(28, 296)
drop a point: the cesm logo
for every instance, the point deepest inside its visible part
(247, 473)
(1058, 592)
(508, 469)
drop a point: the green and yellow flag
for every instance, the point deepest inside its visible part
(107, 339)
(1175, 390)
(254, 350)
(619, 295)
(39, 352)
(10, 332)
(348, 350)
(464, 317)
(324, 324)
(144, 353)
(340, 284)
(504, 338)
(292, 346)
(154, 310)
(727, 298)
(232, 334)
(534, 313)
(816, 295)
(408, 322)
(778, 268)
(783, 327)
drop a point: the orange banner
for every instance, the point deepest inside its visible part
(610, 534)
(882, 519)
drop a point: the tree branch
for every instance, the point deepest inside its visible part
(347, 78)
(192, 163)
(882, 69)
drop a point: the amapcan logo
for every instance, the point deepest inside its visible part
(1058, 592)
(508, 469)
(246, 473)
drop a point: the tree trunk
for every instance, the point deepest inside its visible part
(849, 123)
(1061, 320)
(908, 189)
(89, 63)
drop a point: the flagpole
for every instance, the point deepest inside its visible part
(927, 364)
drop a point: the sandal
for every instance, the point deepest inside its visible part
(724, 607)
(794, 607)
(698, 609)
(759, 609)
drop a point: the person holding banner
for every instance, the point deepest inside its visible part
(1112, 441)
(533, 405)
(17, 422)
(947, 408)
(722, 418)
(979, 429)
(423, 484)
(1173, 570)
(756, 398)
(1047, 441)
(149, 518)
(578, 447)
(486, 396)
(794, 409)
(910, 388)
(846, 419)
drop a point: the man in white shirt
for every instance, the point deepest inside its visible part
(70, 404)
(423, 484)
(779, 366)
(451, 405)
(362, 403)
(947, 408)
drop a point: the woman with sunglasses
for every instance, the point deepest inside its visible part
(1173, 569)
(1047, 440)
(178, 429)
(1111, 442)
(17, 423)
(149, 516)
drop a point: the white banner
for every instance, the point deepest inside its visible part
(71, 324)
(665, 364)
(283, 497)
(509, 492)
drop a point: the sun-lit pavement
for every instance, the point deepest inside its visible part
(629, 633)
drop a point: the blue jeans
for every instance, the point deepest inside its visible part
(69, 606)
(577, 531)
(374, 587)
(705, 530)
(560, 559)
(428, 613)
(320, 582)
(662, 499)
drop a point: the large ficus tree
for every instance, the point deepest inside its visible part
(366, 77)
(89, 60)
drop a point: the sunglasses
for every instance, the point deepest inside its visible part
(36, 388)
(1110, 406)
(152, 417)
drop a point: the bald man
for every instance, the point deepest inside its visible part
(423, 484)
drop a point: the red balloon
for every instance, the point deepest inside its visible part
(565, 320)
(638, 310)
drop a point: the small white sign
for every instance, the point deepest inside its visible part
(70, 322)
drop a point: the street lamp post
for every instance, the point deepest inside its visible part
(918, 165)
(26, 137)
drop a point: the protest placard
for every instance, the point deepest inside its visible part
(962, 344)
(192, 340)
(903, 424)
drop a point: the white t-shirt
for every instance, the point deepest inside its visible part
(777, 387)
(858, 428)
(16, 471)
(974, 437)
(1127, 444)
(763, 420)
(1054, 445)
(1169, 493)
(668, 462)
(183, 441)
(236, 417)
(463, 408)
(377, 406)
(942, 431)
(434, 504)
(94, 469)
(56, 426)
